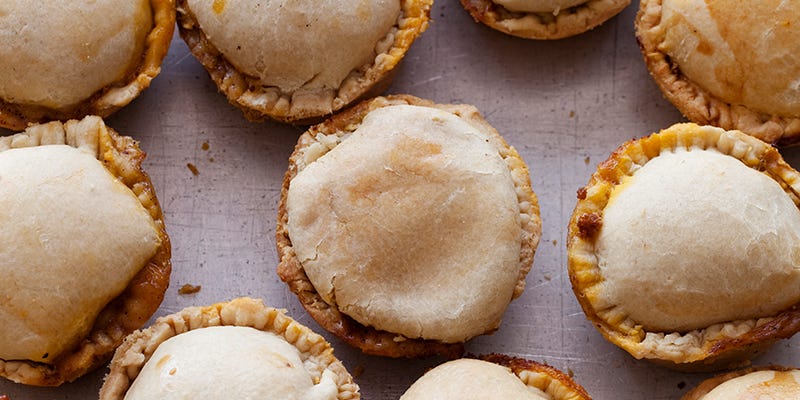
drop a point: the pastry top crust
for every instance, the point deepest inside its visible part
(771, 382)
(376, 157)
(543, 19)
(727, 63)
(248, 347)
(61, 182)
(68, 59)
(725, 237)
(495, 376)
(314, 61)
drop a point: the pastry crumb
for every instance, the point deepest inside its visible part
(547, 277)
(192, 168)
(555, 242)
(572, 113)
(187, 289)
(570, 373)
(587, 160)
(398, 339)
(205, 146)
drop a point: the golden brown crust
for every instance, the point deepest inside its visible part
(258, 102)
(115, 96)
(134, 306)
(725, 345)
(709, 384)
(368, 339)
(565, 23)
(696, 103)
(544, 377)
(134, 353)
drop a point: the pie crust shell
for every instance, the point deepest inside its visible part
(369, 339)
(695, 101)
(710, 384)
(122, 157)
(258, 102)
(138, 347)
(107, 100)
(721, 345)
(557, 24)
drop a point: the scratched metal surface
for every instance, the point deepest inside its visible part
(565, 105)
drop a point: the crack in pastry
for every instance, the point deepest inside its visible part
(730, 64)
(406, 227)
(88, 257)
(237, 349)
(295, 63)
(495, 376)
(692, 256)
(543, 19)
(63, 60)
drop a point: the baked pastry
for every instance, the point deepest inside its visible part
(684, 248)
(68, 59)
(298, 62)
(88, 258)
(238, 349)
(727, 63)
(776, 383)
(543, 19)
(406, 227)
(495, 377)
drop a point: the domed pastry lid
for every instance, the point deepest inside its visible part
(543, 19)
(694, 224)
(729, 63)
(238, 348)
(395, 157)
(90, 260)
(305, 63)
(495, 376)
(63, 60)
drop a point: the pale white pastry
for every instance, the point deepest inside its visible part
(297, 45)
(685, 247)
(66, 59)
(469, 379)
(86, 259)
(229, 362)
(773, 383)
(543, 19)
(727, 63)
(689, 240)
(58, 273)
(300, 61)
(239, 349)
(413, 219)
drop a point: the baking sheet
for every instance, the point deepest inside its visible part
(565, 105)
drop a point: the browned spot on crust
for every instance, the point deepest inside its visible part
(218, 6)
(582, 193)
(589, 224)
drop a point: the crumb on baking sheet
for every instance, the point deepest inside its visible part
(205, 146)
(555, 242)
(547, 277)
(587, 160)
(192, 168)
(189, 289)
(570, 373)
(572, 113)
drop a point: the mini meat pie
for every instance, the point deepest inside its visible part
(300, 61)
(684, 248)
(68, 59)
(241, 349)
(406, 227)
(775, 383)
(543, 19)
(87, 258)
(728, 63)
(495, 377)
